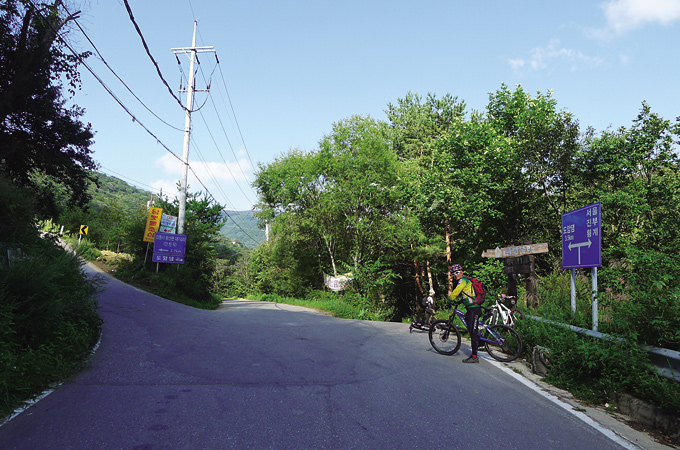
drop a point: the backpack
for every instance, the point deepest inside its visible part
(480, 292)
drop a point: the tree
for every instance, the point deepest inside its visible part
(545, 142)
(469, 186)
(203, 222)
(416, 128)
(344, 204)
(416, 125)
(39, 134)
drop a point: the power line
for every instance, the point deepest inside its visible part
(110, 92)
(234, 114)
(101, 57)
(252, 165)
(148, 52)
(236, 159)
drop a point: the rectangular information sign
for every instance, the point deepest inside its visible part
(153, 221)
(169, 243)
(168, 224)
(581, 237)
(169, 248)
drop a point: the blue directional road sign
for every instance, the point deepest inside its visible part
(169, 248)
(581, 237)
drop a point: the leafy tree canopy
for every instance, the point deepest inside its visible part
(42, 140)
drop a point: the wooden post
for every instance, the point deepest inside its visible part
(519, 259)
(532, 281)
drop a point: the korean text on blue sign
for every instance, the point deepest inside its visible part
(167, 258)
(169, 243)
(581, 237)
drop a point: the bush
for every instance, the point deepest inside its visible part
(344, 305)
(596, 370)
(48, 321)
(87, 250)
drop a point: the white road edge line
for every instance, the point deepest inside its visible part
(44, 394)
(567, 407)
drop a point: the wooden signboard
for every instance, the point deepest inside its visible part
(519, 259)
(515, 251)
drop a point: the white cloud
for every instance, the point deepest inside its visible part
(542, 57)
(167, 187)
(516, 63)
(626, 15)
(207, 171)
(223, 181)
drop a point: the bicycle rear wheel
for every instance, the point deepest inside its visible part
(444, 337)
(502, 343)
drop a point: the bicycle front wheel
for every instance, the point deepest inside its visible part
(502, 343)
(444, 337)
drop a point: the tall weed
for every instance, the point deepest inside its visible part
(48, 321)
(596, 370)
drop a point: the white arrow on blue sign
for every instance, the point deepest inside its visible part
(581, 237)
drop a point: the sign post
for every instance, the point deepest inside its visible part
(519, 259)
(582, 247)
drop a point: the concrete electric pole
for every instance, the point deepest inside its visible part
(192, 51)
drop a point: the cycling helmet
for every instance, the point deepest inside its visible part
(455, 268)
(432, 291)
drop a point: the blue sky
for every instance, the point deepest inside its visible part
(289, 70)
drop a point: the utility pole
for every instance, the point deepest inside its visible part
(192, 51)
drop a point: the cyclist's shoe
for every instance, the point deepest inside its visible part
(471, 359)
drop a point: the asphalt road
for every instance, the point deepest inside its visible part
(254, 375)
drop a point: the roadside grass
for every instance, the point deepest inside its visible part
(48, 322)
(168, 284)
(332, 303)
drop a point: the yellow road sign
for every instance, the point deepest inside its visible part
(83, 229)
(153, 221)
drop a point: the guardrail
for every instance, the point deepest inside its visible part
(666, 361)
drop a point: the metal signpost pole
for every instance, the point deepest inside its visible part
(573, 291)
(594, 287)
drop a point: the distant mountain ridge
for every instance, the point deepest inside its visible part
(240, 226)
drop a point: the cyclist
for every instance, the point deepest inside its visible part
(473, 312)
(428, 304)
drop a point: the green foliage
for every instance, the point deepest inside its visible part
(417, 124)
(48, 321)
(87, 250)
(554, 291)
(343, 305)
(43, 143)
(596, 370)
(643, 300)
(17, 216)
(337, 209)
(490, 272)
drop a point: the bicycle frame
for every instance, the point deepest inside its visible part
(482, 326)
(504, 313)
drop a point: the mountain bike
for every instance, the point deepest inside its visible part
(502, 314)
(502, 342)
